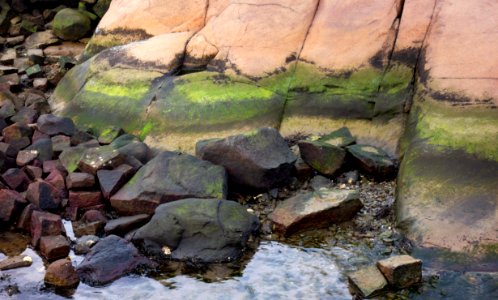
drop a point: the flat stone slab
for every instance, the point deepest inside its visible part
(15, 262)
(315, 210)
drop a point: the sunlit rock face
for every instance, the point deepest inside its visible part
(417, 78)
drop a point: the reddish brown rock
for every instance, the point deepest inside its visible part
(33, 172)
(24, 221)
(24, 157)
(80, 180)
(51, 165)
(111, 181)
(98, 158)
(62, 274)
(44, 224)
(15, 262)
(54, 247)
(56, 178)
(87, 228)
(123, 225)
(84, 199)
(16, 179)
(61, 142)
(11, 204)
(401, 271)
(315, 209)
(18, 135)
(44, 195)
(93, 216)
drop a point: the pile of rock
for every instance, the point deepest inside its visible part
(40, 41)
(397, 272)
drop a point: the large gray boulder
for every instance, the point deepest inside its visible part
(169, 176)
(200, 230)
(260, 159)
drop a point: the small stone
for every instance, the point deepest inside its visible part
(401, 271)
(25, 115)
(35, 56)
(18, 135)
(95, 159)
(62, 274)
(24, 157)
(94, 228)
(322, 157)
(84, 199)
(71, 24)
(12, 80)
(34, 71)
(339, 138)
(24, 222)
(80, 180)
(54, 247)
(15, 262)
(8, 149)
(44, 148)
(372, 160)
(108, 135)
(53, 125)
(40, 84)
(111, 181)
(8, 57)
(14, 41)
(56, 178)
(44, 195)
(123, 225)
(85, 243)
(33, 172)
(367, 282)
(44, 224)
(16, 179)
(60, 143)
(11, 204)
(81, 137)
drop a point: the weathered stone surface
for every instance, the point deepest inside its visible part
(11, 205)
(54, 247)
(40, 39)
(123, 225)
(16, 179)
(169, 176)
(108, 135)
(43, 147)
(205, 230)
(259, 159)
(24, 157)
(401, 271)
(321, 156)
(367, 282)
(53, 125)
(111, 258)
(18, 135)
(15, 262)
(373, 161)
(24, 221)
(85, 243)
(84, 199)
(340, 138)
(111, 181)
(83, 228)
(62, 274)
(44, 224)
(315, 210)
(98, 158)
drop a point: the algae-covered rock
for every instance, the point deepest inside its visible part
(321, 156)
(101, 7)
(168, 177)
(201, 230)
(373, 161)
(70, 24)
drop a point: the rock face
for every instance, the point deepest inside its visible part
(314, 210)
(313, 67)
(202, 230)
(169, 176)
(258, 160)
(111, 258)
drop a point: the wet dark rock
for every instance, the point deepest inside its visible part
(401, 271)
(18, 135)
(8, 149)
(44, 224)
(111, 258)
(339, 138)
(203, 230)
(367, 282)
(259, 160)
(93, 216)
(85, 243)
(314, 210)
(33, 172)
(51, 165)
(111, 181)
(16, 179)
(11, 205)
(318, 182)
(169, 176)
(130, 145)
(323, 157)
(56, 178)
(99, 158)
(24, 221)
(44, 195)
(15, 262)
(54, 247)
(53, 125)
(372, 160)
(25, 115)
(123, 225)
(81, 137)
(60, 143)
(80, 180)
(62, 274)
(44, 148)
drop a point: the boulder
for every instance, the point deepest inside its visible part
(24, 221)
(260, 159)
(373, 161)
(111, 258)
(321, 156)
(62, 274)
(201, 230)
(70, 24)
(53, 125)
(401, 271)
(169, 176)
(54, 247)
(44, 195)
(316, 209)
(367, 282)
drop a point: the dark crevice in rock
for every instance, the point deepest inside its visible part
(297, 57)
(263, 4)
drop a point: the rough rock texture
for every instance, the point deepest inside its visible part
(367, 282)
(111, 258)
(323, 157)
(313, 67)
(315, 209)
(259, 159)
(169, 176)
(401, 271)
(202, 230)
(62, 274)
